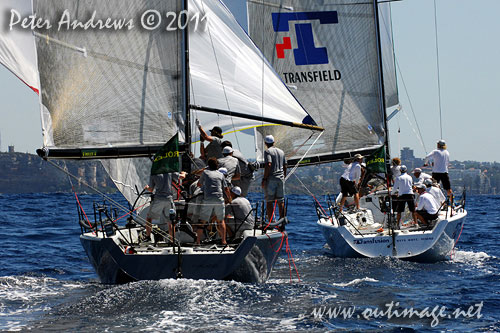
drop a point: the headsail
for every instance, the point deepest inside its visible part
(230, 74)
(17, 47)
(326, 52)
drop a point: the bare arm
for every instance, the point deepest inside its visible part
(204, 134)
(267, 171)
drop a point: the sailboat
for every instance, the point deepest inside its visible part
(119, 95)
(337, 58)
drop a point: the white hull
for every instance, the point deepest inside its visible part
(354, 240)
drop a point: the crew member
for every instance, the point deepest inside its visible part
(350, 180)
(435, 191)
(427, 207)
(231, 164)
(420, 176)
(161, 202)
(241, 211)
(246, 169)
(441, 159)
(213, 149)
(213, 184)
(403, 187)
(273, 181)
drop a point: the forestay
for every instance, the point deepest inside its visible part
(326, 52)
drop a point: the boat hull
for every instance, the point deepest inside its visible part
(252, 261)
(423, 246)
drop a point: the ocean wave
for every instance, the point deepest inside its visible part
(23, 297)
(471, 257)
(355, 282)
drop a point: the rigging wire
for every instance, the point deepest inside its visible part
(138, 218)
(221, 79)
(398, 67)
(298, 162)
(438, 70)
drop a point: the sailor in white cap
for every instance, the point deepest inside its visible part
(420, 176)
(246, 169)
(441, 159)
(239, 213)
(427, 206)
(273, 181)
(230, 163)
(436, 192)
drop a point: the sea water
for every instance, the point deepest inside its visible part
(48, 284)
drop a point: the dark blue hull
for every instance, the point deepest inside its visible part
(252, 261)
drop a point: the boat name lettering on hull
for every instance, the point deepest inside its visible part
(313, 76)
(370, 241)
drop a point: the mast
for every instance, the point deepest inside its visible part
(186, 161)
(386, 128)
(381, 82)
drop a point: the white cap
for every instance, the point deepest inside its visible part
(236, 190)
(403, 169)
(227, 150)
(269, 139)
(223, 171)
(417, 170)
(428, 182)
(420, 186)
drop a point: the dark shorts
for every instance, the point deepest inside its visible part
(428, 217)
(444, 178)
(347, 187)
(402, 200)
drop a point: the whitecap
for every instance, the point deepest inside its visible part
(354, 282)
(470, 257)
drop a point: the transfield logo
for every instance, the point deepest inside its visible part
(306, 52)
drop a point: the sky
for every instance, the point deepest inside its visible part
(469, 61)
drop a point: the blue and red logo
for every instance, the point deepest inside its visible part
(307, 53)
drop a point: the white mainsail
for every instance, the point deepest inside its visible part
(326, 52)
(108, 89)
(17, 46)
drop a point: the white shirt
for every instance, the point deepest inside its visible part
(427, 202)
(437, 194)
(355, 171)
(420, 179)
(403, 185)
(347, 171)
(441, 158)
(396, 172)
